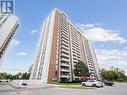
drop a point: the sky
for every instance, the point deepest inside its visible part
(102, 21)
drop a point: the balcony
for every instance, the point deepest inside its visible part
(65, 30)
(64, 76)
(64, 35)
(64, 49)
(64, 52)
(63, 61)
(64, 44)
(64, 38)
(65, 58)
(65, 64)
(64, 41)
(64, 70)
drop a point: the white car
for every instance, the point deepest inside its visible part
(93, 83)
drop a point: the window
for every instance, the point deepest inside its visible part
(91, 81)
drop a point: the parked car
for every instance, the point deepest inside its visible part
(108, 83)
(92, 83)
(24, 84)
(3, 80)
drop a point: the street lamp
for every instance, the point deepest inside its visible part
(19, 82)
(67, 80)
(20, 76)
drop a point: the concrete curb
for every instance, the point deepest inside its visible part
(16, 86)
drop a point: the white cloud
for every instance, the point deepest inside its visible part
(112, 58)
(83, 26)
(125, 48)
(34, 31)
(15, 42)
(106, 57)
(100, 34)
(21, 54)
(111, 54)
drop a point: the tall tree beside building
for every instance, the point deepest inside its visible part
(81, 70)
(113, 74)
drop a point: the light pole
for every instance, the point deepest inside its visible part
(19, 82)
(67, 80)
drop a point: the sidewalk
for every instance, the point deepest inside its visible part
(20, 86)
(16, 85)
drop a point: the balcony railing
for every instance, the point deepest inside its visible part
(65, 64)
(64, 70)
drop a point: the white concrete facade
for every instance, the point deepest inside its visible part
(8, 26)
(43, 53)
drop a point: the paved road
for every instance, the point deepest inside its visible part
(118, 89)
(5, 88)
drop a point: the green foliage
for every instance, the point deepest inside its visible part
(81, 69)
(5, 76)
(25, 75)
(113, 74)
(16, 76)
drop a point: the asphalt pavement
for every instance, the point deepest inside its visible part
(118, 89)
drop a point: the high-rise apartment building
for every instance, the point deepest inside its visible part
(8, 26)
(61, 46)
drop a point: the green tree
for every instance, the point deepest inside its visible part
(5, 76)
(25, 75)
(81, 69)
(113, 74)
(16, 76)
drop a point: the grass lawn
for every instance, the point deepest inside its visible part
(72, 85)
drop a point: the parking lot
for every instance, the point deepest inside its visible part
(118, 89)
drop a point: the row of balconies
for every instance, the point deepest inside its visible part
(91, 66)
(91, 69)
(64, 48)
(64, 44)
(64, 22)
(73, 36)
(74, 39)
(63, 34)
(65, 60)
(76, 50)
(63, 16)
(65, 76)
(64, 38)
(64, 52)
(75, 43)
(64, 70)
(65, 56)
(76, 47)
(64, 29)
(65, 64)
(64, 41)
